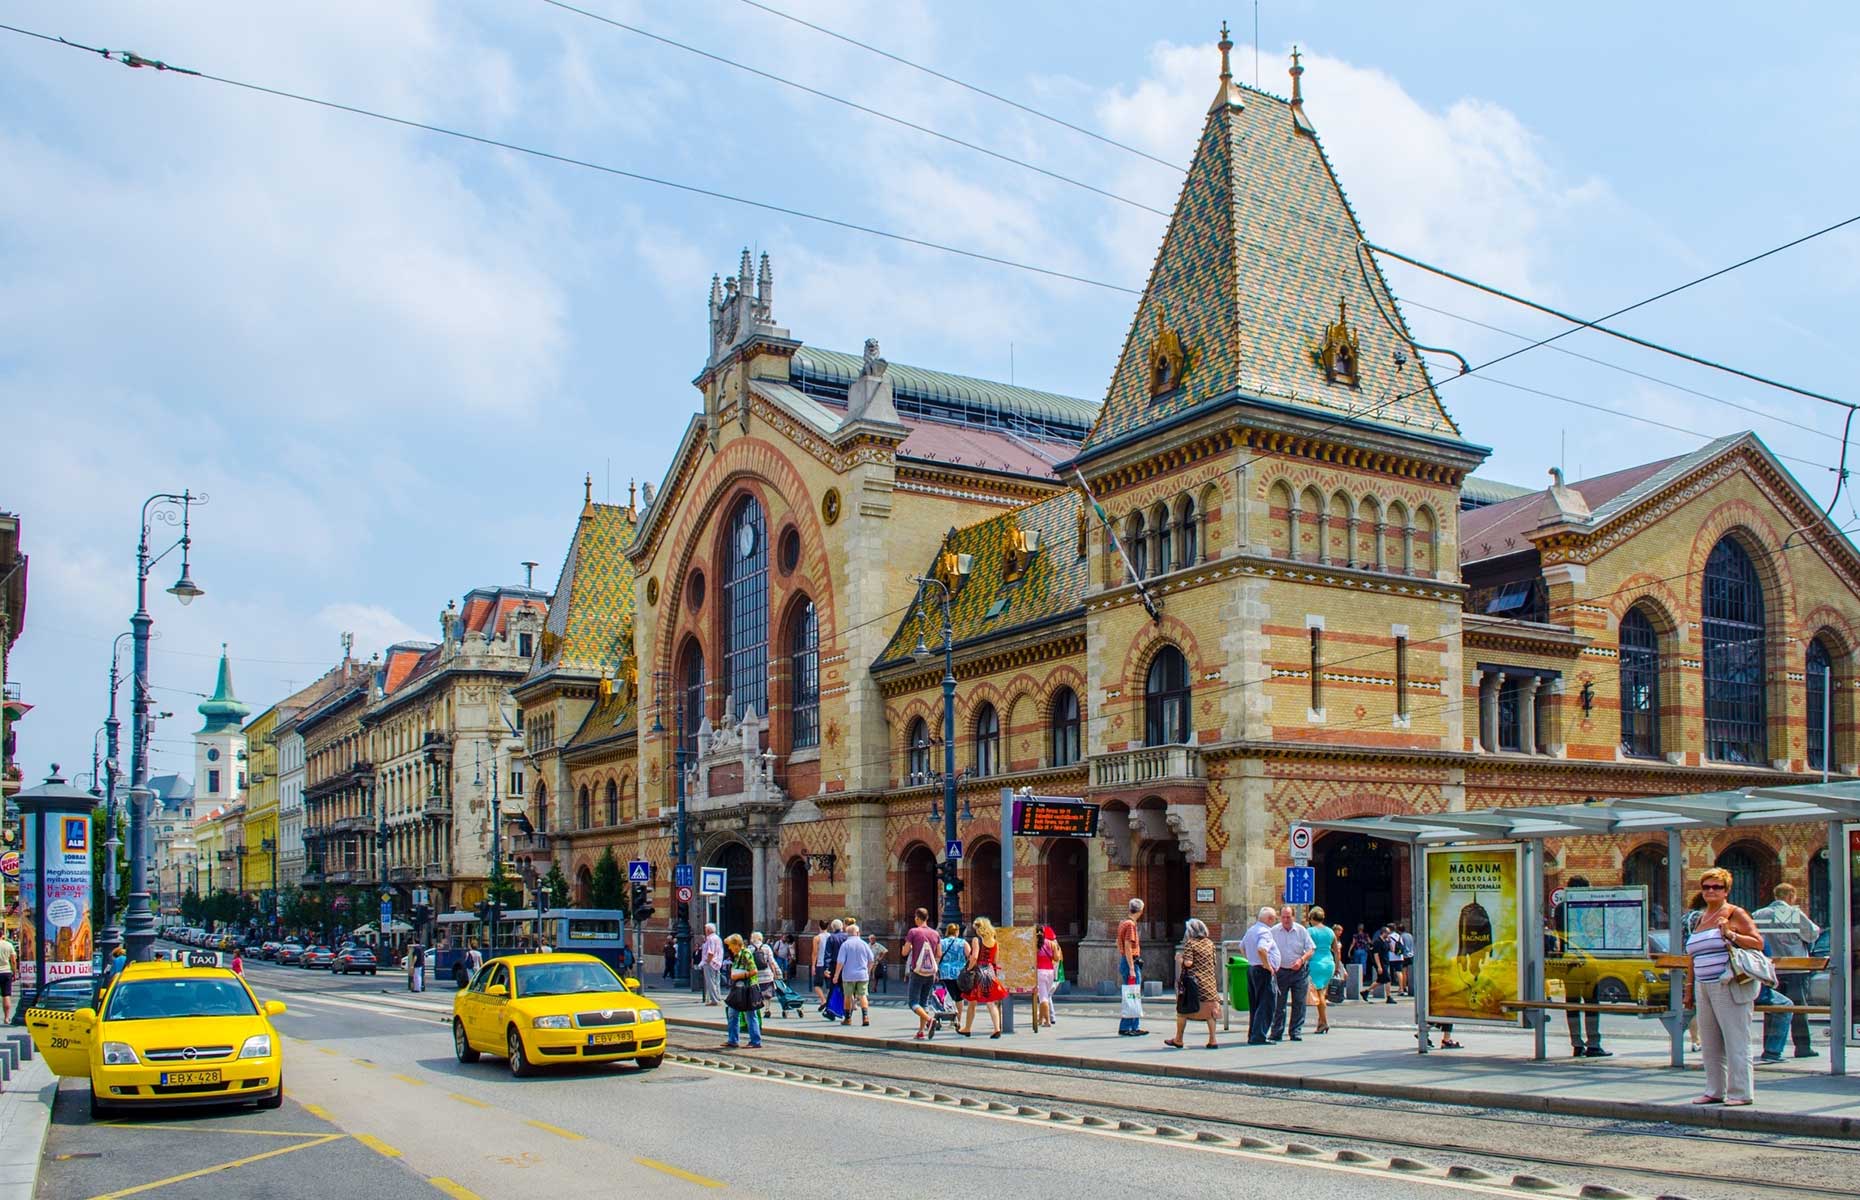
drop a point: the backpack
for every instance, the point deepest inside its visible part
(926, 963)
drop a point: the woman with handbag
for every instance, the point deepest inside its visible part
(1723, 984)
(1047, 959)
(987, 988)
(1322, 966)
(1197, 991)
(744, 999)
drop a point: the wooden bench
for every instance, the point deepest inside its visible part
(1680, 962)
(1628, 1010)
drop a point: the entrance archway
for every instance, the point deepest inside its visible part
(1357, 881)
(917, 887)
(1068, 898)
(1163, 885)
(1754, 870)
(985, 881)
(735, 912)
(797, 894)
(1646, 866)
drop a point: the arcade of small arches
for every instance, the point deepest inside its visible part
(1170, 535)
(1367, 533)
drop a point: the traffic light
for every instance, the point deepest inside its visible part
(542, 898)
(482, 909)
(641, 905)
(952, 881)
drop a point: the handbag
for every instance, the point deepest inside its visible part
(985, 978)
(1132, 1009)
(1747, 965)
(1334, 991)
(966, 980)
(1188, 996)
(743, 996)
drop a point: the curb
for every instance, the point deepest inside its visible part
(27, 1122)
(1748, 1120)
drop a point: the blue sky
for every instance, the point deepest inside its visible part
(389, 357)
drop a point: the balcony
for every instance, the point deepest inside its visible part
(528, 843)
(1147, 766)
(356, 824)
(401, 874)
(434, 872)
(226, 856)
(338, 877)
(438, 806)
(311, 877)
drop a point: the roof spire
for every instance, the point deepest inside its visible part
(1229, 95)
(223, 710)
(632, 496)
(1302, 122)
(587, 494)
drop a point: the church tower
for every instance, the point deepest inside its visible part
(219, 747)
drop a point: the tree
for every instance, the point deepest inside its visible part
(556, 884)
(98, 857)
(502, 890)
(608, 889)
(190, 906)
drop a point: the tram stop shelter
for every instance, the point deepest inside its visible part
(1835, 805)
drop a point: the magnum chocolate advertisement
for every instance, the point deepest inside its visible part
(64, 924)
(1472, 933)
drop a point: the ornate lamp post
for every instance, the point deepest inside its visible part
(952, 901)
(168, 508)
(270, 847)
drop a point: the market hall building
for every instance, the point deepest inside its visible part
(1309, 609)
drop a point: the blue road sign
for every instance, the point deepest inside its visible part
(713, 881)
(1301, 885)
(952, 850)
(638, 870)
(387, 914)
(682, 875)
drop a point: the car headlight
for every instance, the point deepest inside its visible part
(119, 1054)
(550, 1023)
(256, 1046)
(644, 1015)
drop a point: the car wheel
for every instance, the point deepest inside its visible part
(650, 1064)
(461, 1045)
(276, 1099)
(1611, 991)
(519, 1062)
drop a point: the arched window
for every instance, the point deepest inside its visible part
(987, 741)
(613, 803)
(1187, 533)
(1137, 545)
(584, 815)
(1640, 686)
(804, 672)
(1165, 542)
(917, 742)
(746, 610)
(691, 680)
(1734, 661)
(1165, 699)
(1820, 674)
(584, 887)
(1065, 728)
(542, 807)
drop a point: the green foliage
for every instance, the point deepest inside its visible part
(556, 884)
(502, 890)
(608, 889)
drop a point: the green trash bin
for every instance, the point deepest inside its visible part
(1237, 992)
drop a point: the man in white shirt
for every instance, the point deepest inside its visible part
(1294, 974)
(710, 959)
(853, 972)
(1262, 960)
(1788, 932)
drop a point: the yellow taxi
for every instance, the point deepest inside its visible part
(1624, 980)
(167, 1033)
(540, 1009)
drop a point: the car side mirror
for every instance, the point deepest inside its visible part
(632, 985)
(86, 1017)
(497, 989)
(274, 1008)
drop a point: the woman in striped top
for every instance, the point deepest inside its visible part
(1724, 1005)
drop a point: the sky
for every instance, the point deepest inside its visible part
(389, 357)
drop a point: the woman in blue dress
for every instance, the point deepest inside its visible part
(1323, 964)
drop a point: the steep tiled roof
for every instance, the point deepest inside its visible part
(404, 662)
(611, 718)
(590, 621)
(988, 604)
(1261, 248)
(488, 609)
(1477, 491)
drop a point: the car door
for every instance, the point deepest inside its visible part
(484, 1021)
(64, 1039)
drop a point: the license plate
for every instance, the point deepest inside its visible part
(169, 1078)
(610, 1039)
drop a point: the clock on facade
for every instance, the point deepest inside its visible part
(213, 754)
(746, 540)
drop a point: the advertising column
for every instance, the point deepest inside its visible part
(1473, 963)
(55, 916)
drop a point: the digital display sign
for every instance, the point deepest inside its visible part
(1046, 816)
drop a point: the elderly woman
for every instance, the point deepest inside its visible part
(1723, 1005)
(1197, 991)
(742, 968)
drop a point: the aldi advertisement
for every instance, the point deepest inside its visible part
(1472, 933)
(63, 925)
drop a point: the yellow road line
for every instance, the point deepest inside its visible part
(560, 1132)
(362, 1062)
(319, 1112)
(679, 1172)
(225, 1166)
(409, 1079)
(377, 1145)
(163, 1125)
(473, 1101)
(327, 1050)
(452, 1189)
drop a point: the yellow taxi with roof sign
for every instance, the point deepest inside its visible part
(167, 1033)
(536, 1010)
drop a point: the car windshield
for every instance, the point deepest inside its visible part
(566, 979)
(155, 999)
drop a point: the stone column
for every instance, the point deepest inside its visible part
(1297, 530)
(1349, 551)
(1527, 713)
(1323, 535)
(1407, 549)
(1489, 684)
(758, 880)
(1381, 532)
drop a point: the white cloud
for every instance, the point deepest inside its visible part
(374, 627)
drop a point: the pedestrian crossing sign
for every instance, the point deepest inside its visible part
(638, 870)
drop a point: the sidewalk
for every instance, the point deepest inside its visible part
(1493, 1071)
(25, 1115)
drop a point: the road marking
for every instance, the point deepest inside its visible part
(296, 1133)
(409, 1079)
(376, 1009)
(362, 1062)
(679, 1172)
(328, 1051)
(475, 1103)
(452, 1189)
(324, 1140)
(376, 1144)
(319, 1112)
(560, 1132)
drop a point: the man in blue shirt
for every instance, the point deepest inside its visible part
(1262, 960)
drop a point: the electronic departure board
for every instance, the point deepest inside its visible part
(1051, 816)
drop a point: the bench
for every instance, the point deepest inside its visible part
(1628, 1010)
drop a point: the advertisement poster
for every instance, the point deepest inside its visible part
(1853, 931)
(63, 926)
(1472, 933)
(1607, 922)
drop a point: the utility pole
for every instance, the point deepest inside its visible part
(681, 922)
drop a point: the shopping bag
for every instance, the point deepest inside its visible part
(836, 1003)
(1133, 1002)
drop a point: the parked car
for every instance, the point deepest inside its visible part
(352, 959)
(290, 954)
(318, 956)
(268, 951)
(1817, 992)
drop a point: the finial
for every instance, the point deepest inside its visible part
(1227, 46)
(587, 495)
(632, 494)
(1229, 94)
(1299, 120)
(1342, 307)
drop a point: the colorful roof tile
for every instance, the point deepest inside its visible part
(590, 621)
(1261, 249)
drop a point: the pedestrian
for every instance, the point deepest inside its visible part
(921, 950)
(416, 968)
(238, 963)
(1407, 958)
(1197, 992)
(784, 956)
(1323, 965)
(474, 959)
(119, 959)
(1262, 966)
(1377, 969)
(671, 965)
(881, 970)
(710, 961)
(988, 991)
(852, 971)
(1578, 986)
(764, 955)
(1392, 970)
(1790, 933)
(1046, 959)
(9, 963)
(745, 1009)
(1130, 966)
(952, 960)
(826, 954)
(1723, 1005)
(1294, 976)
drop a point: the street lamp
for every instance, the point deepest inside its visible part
(270, 847)
(952, 904)
(168, 508)
(681, 912)
(112, 934)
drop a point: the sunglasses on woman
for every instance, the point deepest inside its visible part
(1711, 887)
